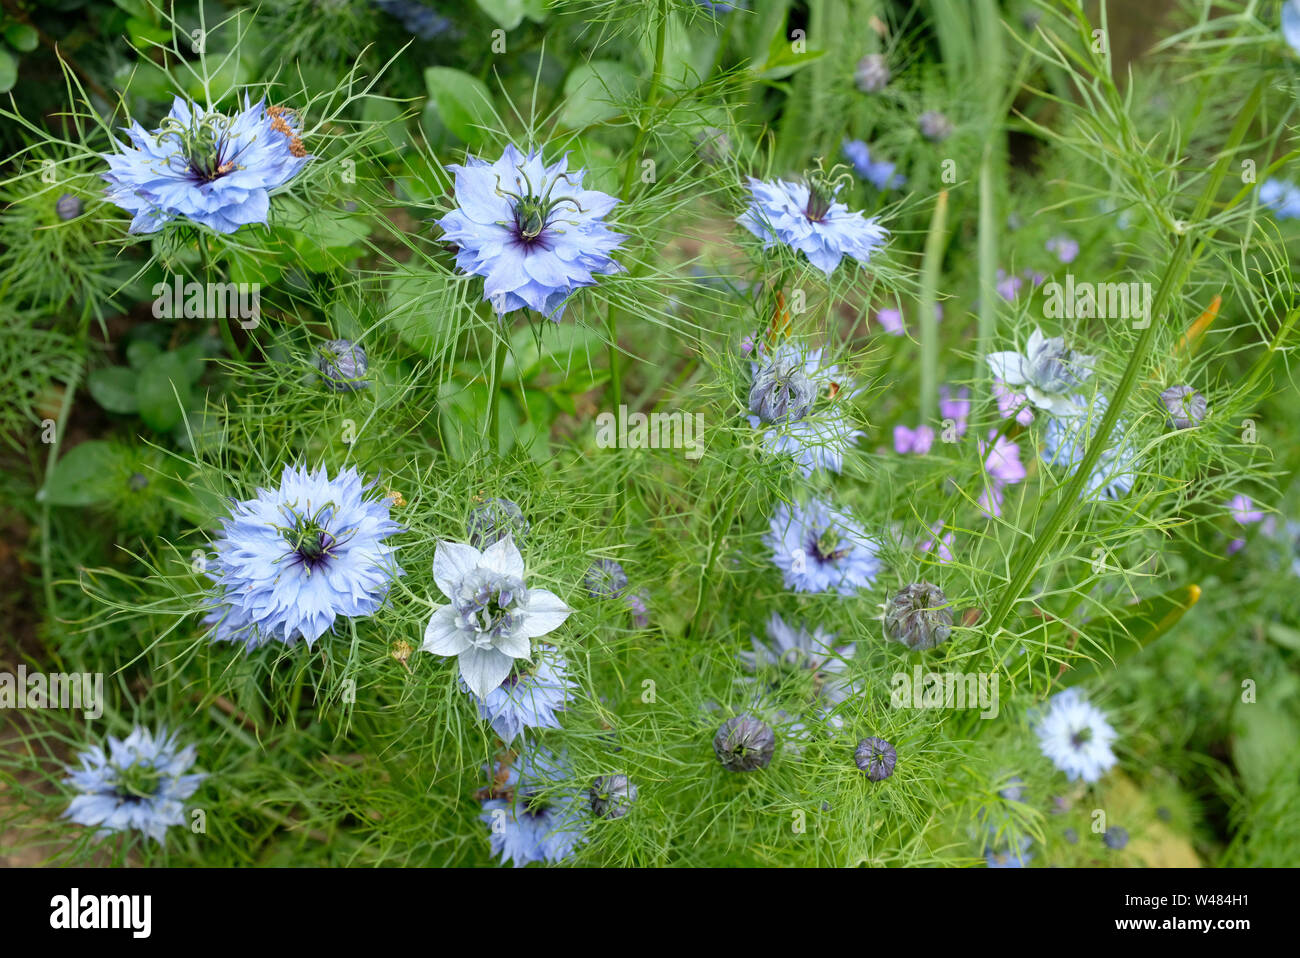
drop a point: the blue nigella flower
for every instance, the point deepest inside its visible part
(805, 217)
(1011, 857)
(788, 383)
(530, 230)
(605, 579)
(1291, 23)
(1066, 439)
(820, 549)
(528, 698)
(817, 442)
(422, 21)
(879, 173)
(141, 783)
(206, 167)
(1075, 735)
(1281, 197)
(493, 615)
(792, 650)
(527, 824)
(294, 559)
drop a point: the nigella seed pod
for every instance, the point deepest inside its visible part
(744, 744)
(935, 127)
(493, 521)
(612, 796)
(342, 363)
(605, 579)
(712, 146)
(782, 390)
(68, 207)
(918, 616)
(1116, 837)
(1186, 407)
(872, 74)
(876, 758)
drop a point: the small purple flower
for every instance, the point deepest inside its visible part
(1008, 286)
(1116, 837)
(934, 126)
(342, 363)
(1065, 248)
(872, 73)
(806, 217)
(532, 247)
(1002, 464)
(955, 406)
(915, 441)
(820, 549)
(941, 545)
(891, 320)
(1243, 510)
(1009, 401)
(636, 603)
(68, 207)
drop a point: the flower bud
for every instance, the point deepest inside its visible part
(1185, 405)
(918, 616)
(712, 146)
(782, 389)
(605, 579)
(876, 758)
(493, 521)
(934, 126)
(68, 207)
(872, 74)
(342, 363)
(744, 744)
(612, 796)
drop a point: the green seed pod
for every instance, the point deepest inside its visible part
(918, 616)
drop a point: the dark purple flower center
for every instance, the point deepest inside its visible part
(823, 547)
(1081, 737)
(311, 545)
(204, 146)
(534, 213)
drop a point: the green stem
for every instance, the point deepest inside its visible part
(492, 434)
(928, 323)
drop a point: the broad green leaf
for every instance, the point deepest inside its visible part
(114, 389)
(86, 474)
(22, 37)
(8, 71)
(163, 392)
(593, 91)
(1264, 739)
(511, 13)
(464, 103)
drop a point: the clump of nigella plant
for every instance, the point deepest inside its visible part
(206, 167)
(820, 549)
(806, 217)
(1075, 735)
(139, 784)
(296, 558)
(493, 520)
(492, 616)
(612, 796)
(532, 816)
(530, 230)
(876, 758)
(605, 579)
(342, 365)
(872, 73)
(531, 696)
(1186, 407)
(918, 616)
(744, 744)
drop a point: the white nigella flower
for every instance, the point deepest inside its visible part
(492, 616)
(1075, 735)
(1046, 371)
